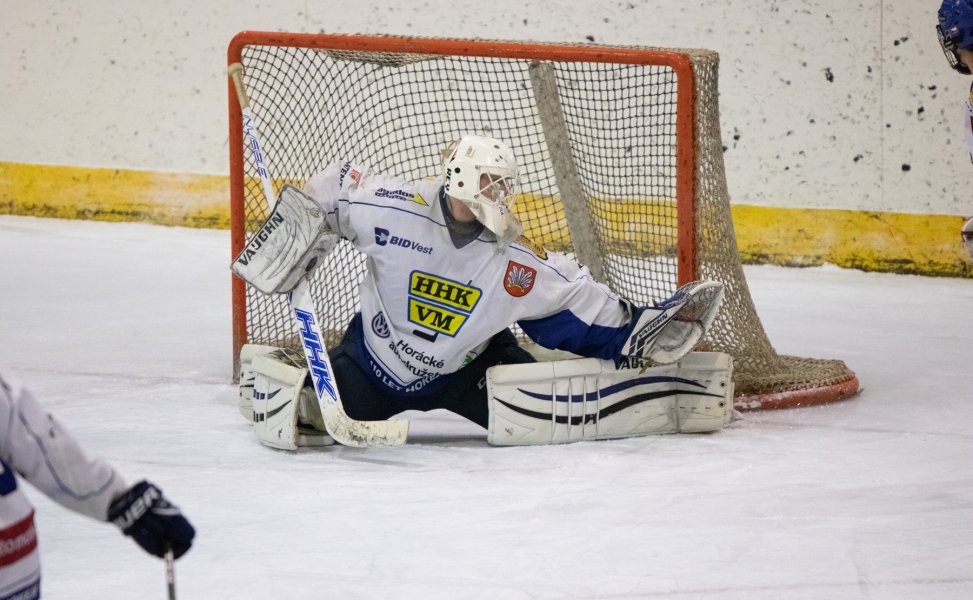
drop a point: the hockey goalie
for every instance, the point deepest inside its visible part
(448, 272)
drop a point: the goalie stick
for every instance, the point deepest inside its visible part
(340, 426)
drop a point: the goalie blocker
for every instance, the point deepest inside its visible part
(288, 245)
(590, 399)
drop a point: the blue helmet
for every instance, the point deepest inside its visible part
(955, 30)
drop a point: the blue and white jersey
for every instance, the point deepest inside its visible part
(429, 307)
(34, 446)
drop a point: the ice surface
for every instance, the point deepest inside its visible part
(123, 331)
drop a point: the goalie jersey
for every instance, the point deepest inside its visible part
(33, 445)
(430, 303)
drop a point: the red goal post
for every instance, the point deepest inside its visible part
(620, 147)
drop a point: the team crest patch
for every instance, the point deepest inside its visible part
(519, 279)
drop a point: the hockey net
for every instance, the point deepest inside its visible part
(620, 154)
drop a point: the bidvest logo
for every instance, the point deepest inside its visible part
(440, 304)
(384, 237)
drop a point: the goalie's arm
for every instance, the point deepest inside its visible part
(586, 318)
(288, 246)
(340, 426)
(304, 226)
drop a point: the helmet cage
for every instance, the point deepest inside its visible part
(482, 173)
(948, 45)
(955, 31)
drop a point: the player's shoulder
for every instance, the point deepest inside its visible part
(395, 191)
(527, 245)
(531, 252)
(10, 382)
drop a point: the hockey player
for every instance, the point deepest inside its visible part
(448, 273)
(35, 447)
(955, 31)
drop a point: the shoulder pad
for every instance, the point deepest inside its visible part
(533, 246)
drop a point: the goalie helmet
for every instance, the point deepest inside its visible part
(482, 173)
(955, 31)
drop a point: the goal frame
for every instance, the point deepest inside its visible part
(697, 188)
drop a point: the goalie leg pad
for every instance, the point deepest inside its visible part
(247, 376)
(285, 411)
(287, 246)
(589, 399)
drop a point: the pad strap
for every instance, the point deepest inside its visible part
(589, 399)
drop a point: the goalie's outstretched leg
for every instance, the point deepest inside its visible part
(589, 399)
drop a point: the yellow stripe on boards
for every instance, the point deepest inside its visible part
(872, 241)
(188, 200)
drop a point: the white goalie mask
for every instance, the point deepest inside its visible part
(482, 173)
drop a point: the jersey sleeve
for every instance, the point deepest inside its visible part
(581, 315)
(353, 196)
(35, 445)
(332, 189)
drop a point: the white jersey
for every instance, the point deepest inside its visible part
(968, 122)
(33, 445)
(429, 305)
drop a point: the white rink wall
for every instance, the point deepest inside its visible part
(825, 104)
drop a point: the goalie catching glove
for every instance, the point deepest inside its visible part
(666, 332)
(287, 246)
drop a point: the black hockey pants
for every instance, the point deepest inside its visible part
(464, 392)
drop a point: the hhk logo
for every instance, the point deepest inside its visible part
(519, 279)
